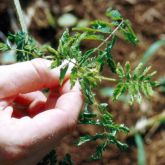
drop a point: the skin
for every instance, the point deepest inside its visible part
(31, 124)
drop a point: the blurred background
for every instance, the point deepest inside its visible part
(46, 21)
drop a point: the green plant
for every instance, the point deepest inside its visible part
(87, 69)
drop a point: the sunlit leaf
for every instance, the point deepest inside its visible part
(113, 14)
(101, 26)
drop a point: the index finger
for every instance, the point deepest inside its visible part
(62, 119)
(27, 77)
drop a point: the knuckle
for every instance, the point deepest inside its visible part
(40, 68)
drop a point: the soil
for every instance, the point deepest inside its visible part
(147, 18)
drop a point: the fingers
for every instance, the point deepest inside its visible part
(28, 98)
(67, 87)
(56, 92)
(29, 104)
(39, 105)
(59, 121)
(52, 98)
(28, 76)
(45, 129)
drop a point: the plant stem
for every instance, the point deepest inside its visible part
(20, 15)
(105, 41)
(107, 78)
(35, 56)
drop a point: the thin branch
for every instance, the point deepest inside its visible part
(105, 41)
(24, 51)
(20, 15)
(107, 78)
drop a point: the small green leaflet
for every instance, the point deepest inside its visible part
(110, 61)
(55, 63)
(90, 30)
(86, 55)
(94, 37)
(87, 112)
(53, 51)
(119, 90)
(138, 70)
(51, 157)
(63, 71)
(67, 160)
(99, 151)
(102, 26)
(73, 76)
(4, 47)
(120, 71)
(128, 32)
(113, 14)
(89, 138)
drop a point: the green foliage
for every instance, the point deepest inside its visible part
(99, 151)
(102, 119)
(134, 82)
(87, 70)
(63, 73)
(114, 14)
(26, 46)
(4, 47)
(128, 32)
(67, 160)
(141, 151)
(101, 26)
(50, 159)
(125, 28)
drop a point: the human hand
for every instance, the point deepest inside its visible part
(31, 124)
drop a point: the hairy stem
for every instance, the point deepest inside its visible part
(105, 41)
(20, 15)
(24, 51)
(107, 78)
